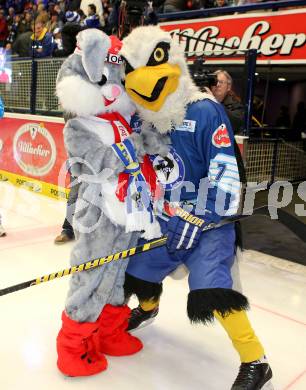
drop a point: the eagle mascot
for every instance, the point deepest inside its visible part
(201, 175)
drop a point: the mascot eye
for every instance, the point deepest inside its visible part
(159, 54)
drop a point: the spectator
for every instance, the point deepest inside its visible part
(72, 17)
(67, 233)
(73, 5)
(208, 3)
(42, 41)
(258, 110)
(174, 5)
(113, 17)
(54, 22)
(57, 35)
(28, 5)
(224, 94)
(61, 12)
(82, 16)
(26, 23)
(97, 3)
(92, 19)
(18, 6)
(283, 119)
(42, 14)
(3, 28)
(22, 44)
(13, 31)
(106, 9)
(10, 16)
(62, 6)
(242, 2)
(51, 6)
(221, 3)
(35, 12)
(68, 33)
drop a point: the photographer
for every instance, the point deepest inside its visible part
(219, 84)
(223, 92)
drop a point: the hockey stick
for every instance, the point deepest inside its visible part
(294, 224)
(291, 222)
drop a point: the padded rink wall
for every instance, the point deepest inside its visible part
(32, 154)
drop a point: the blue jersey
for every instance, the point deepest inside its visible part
(201, 166)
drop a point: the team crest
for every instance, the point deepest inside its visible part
(220, 137)
(170, 170)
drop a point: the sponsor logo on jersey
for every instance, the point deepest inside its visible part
(170, 170)
(220, 137)
(188, 125)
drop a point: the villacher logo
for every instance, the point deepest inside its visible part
(253, 37)
(279, 37)
(34, 149)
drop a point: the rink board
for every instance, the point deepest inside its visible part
(32, 154)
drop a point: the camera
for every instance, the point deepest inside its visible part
(201, 76)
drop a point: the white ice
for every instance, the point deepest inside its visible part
(176, 355)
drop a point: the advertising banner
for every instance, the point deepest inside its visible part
(32, 152)
(279, 37)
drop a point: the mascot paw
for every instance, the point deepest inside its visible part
(152, 231)
(139, 145)
(100, 178)
(154, 143)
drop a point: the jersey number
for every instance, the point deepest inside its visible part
(222, 168)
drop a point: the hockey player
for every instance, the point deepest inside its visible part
(200, 172)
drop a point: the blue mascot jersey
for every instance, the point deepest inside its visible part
(201, 166)
(202, 147)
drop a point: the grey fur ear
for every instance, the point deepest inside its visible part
(94, 45)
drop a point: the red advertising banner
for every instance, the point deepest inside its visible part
(32, 152)
(279, 37)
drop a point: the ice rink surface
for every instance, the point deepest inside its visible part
(176, 355)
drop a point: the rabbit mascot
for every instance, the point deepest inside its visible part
(109, 217)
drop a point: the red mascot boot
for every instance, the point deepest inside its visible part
(77, 350)
(114, 339)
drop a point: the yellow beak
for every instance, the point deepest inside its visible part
(149, 86)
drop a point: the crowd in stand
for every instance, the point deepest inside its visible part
(41, 28)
